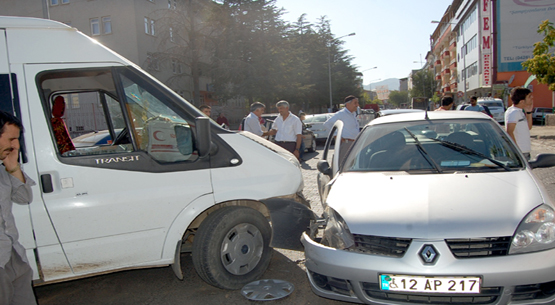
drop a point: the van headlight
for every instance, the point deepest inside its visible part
(336, 234)
(536, 232)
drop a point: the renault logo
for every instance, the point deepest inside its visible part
(429, 254)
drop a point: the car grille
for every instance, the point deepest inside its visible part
(479, 247)
(387, 246)
(488, 295)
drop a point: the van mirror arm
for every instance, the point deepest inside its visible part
(203, 140)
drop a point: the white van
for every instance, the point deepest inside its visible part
(166, 181)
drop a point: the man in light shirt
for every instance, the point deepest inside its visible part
(288, 128)
(351, 128)
(518, 119)
(252, 121)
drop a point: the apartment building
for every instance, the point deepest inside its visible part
(151, 33)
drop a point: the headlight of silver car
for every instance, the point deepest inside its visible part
(536, 232)
(336, 233)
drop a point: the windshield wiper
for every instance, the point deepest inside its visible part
(424, 152)
(466, 150)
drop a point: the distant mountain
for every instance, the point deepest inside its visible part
(391, 83)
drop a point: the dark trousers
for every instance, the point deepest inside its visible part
(290, 146)
(16, 282)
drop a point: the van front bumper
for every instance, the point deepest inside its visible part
(290, 216)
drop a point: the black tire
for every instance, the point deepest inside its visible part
(313, 146)
(232, 247)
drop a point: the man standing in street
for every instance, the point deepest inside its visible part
(252, 121)
(446, 104)
(288, 128)
(474, 105)
(15, 186)
(518, 119)
(351, 128)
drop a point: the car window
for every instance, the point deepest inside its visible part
(393, 147)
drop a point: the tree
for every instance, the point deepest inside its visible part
(398, 97)
(423, 84)
(542, 65)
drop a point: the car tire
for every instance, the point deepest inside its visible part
(232, 247)
(312, 147)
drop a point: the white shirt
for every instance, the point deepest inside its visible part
(351, 127)
(522, 132)
(288, 129)
(252, 124)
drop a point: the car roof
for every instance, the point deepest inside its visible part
(437, 115)
(397, 111)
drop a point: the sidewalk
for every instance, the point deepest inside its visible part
(542, 132)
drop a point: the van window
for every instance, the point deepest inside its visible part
(89, 115)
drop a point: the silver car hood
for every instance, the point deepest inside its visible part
(434, 206)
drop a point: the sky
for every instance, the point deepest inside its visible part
(392, 35)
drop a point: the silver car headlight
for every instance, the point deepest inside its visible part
(536, 232)
(336, 233)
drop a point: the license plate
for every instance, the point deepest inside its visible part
(429, 284)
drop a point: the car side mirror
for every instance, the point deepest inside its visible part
(543, 160)
(203, 141)
(324, 167)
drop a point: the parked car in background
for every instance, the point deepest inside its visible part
(486, 109)
(309, 138)
(538, 114)
(96, 138)
(315, 123)
(495, 106)
(430, 232)
(365, 116)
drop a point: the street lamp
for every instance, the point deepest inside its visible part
(329, 65)
(463, 54)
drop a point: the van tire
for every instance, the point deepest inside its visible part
(231, 247)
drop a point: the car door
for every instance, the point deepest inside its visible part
(329, 165)
(111, 205)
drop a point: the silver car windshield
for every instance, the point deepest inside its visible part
(442, 146)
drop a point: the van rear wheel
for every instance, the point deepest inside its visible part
(231, 247)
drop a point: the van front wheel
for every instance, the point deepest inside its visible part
(231, 247)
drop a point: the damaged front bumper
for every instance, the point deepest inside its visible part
(290, 216)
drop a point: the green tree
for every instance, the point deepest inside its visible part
(542, 65)
(423, 84)
(398, 97)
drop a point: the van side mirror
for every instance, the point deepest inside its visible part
(203, 141)
(324, 167)
(543, 160)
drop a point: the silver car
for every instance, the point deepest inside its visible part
(432, 208)
(315, 123)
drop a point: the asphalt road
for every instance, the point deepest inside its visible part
(160, 286)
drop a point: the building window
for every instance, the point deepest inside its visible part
(171, 34)
(152, 61)
(65, 1)
(149, 26)
(54, 2)
(107, 25)
(95, 27)
(176, 66)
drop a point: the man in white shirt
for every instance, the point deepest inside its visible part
(351, 128)
(288, 128)
(252, 121)
(518, 119)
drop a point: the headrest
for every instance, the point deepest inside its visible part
(59, 107)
